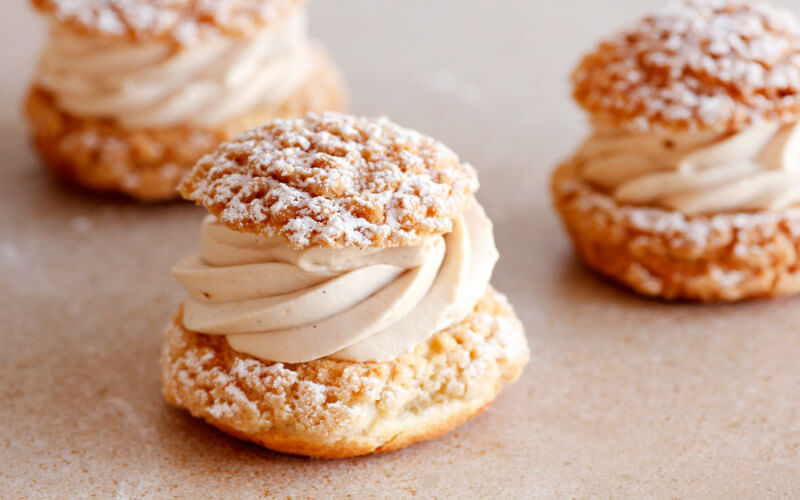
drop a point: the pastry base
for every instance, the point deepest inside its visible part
(147, 164)
(721, 257)
(336, 409)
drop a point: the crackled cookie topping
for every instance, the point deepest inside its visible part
(178, 21)
(334, 180)
(696, 64)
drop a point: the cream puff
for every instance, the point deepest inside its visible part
(689, 185)
(128, 95)
(340, 302)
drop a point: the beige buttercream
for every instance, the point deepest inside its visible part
(158, 83)
(697, 172)
(287, 305)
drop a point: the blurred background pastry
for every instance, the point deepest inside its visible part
(688, 187)
(128, 95)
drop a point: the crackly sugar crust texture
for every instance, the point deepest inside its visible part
(334, 180)
(181, 21)
(336, 409)
(712, 258)
(147, 164)
(697, 64)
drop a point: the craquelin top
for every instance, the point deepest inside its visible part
(696, 64)
(181, 21)
(334, 180)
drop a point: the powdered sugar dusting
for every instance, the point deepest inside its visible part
(341, 404)
(184, 21)
(334, 180)
(697, 64)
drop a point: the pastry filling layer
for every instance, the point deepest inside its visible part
(697, 172)
(159, 84)
(281, 304)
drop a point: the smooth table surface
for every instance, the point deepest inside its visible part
(623, 397)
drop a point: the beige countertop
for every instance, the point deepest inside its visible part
(623, 397)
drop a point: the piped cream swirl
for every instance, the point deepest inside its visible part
(697, 172)
(286, 305)
(158, 83)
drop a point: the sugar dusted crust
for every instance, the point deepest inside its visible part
(147, 164)
(181, 21)
(697, 64)
(336, 409)
(334, 180)
(711, 258)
